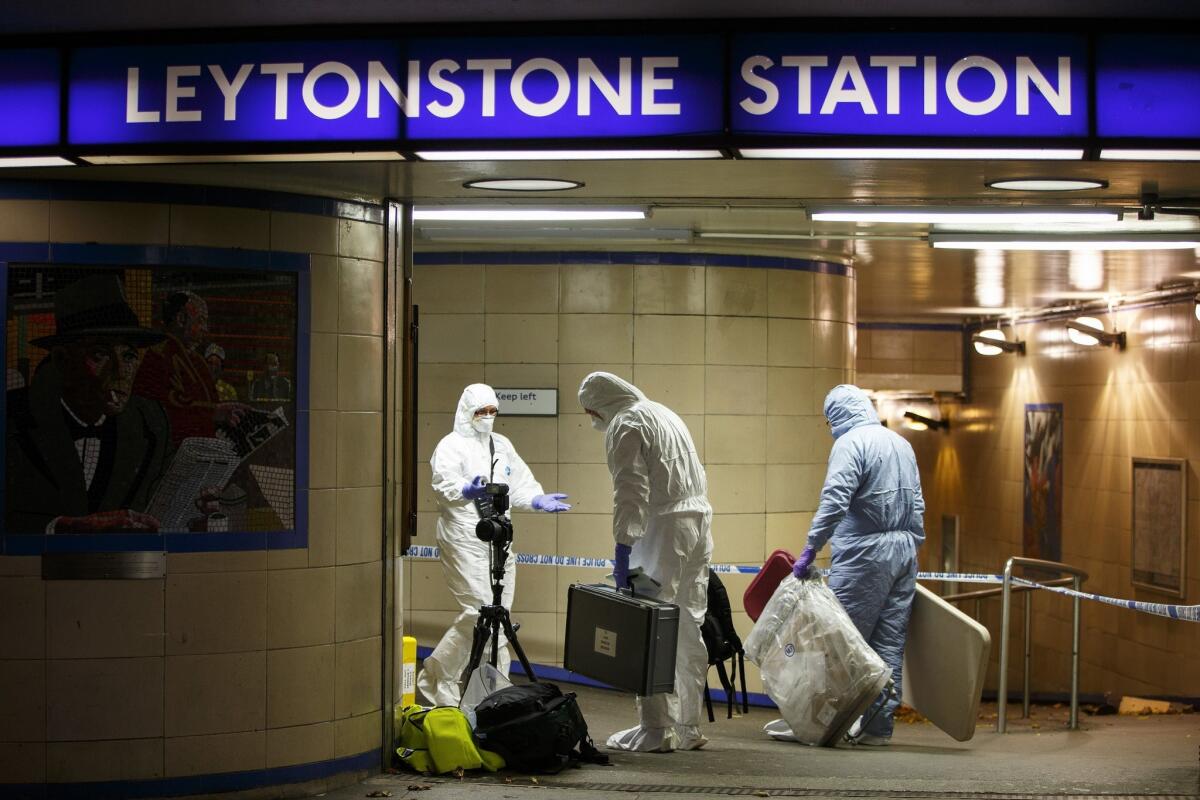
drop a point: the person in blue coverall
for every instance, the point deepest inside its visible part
(872, 509)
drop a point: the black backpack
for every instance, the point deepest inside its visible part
(723, 644)
(535, 727)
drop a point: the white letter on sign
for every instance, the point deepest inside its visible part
(1027, 72)
(175, 92)
(651, 84)
(132, 114)
(489, 67)
(457, 97)
(838, 93)
(353, 90)
(561, 94)
(230, 88)
(770, 90)
(893, 64)
(281, 72)
(620, 98)
(976, 108)
(804, 65)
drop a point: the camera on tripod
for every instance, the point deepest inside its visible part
(494, 526)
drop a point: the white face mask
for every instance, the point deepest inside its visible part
(599, 424)
(484, 424)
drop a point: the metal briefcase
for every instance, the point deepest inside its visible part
(623, 640)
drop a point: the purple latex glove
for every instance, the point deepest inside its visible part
(550, 502)
(801, 567)
(621, 566)
(474, 489)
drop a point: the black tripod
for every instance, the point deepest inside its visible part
(494, 617)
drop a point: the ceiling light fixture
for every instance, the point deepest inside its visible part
(1046, 184)
(1089, 332)
(564, 155)
(977, 153)
(35, 161)
(920, 422)
(1033, 241)
(523, 184)
(993, 342)
(981, 215)
(520, 214)
(1150, 155)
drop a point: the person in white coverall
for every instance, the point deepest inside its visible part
(463, 463)
(661, 522)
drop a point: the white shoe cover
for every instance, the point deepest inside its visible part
(643, 740)
(689, 737)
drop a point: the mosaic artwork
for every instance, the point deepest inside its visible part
(1042, 536)
(1159, 524)
(150, 401)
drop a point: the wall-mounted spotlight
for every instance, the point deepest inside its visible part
(992, 342)
(1197, 306)
(1089, 332)
(920, 422)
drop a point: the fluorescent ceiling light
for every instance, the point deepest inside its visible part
(564, 155)
(546, 232)
(1018, 241)
(931, 216)
(1150, 155)
(981, 153)
(523, 184)
(1046, 184)
(267, 158)
(35, 161)
(518, 214)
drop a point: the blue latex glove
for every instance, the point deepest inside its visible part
(474, 489)
(621, 566)
(551, 502)
(801, 567)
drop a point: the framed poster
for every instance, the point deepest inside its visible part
(949, 562)
(1042, 531)
(153, 407)
(1159, 524)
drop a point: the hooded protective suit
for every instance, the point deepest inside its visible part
(459, 457)
(872, 507)
(660, 508)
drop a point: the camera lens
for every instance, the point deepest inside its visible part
(488, 529)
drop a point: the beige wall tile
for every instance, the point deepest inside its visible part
(536, 531)
(539, 636)
(23, 762)
(790, 342)
(522, 376)
(357, 601)
(300, 607)
(794, 487)
(104, 619)
(322, 449)
(451, 338)
(303, 744)
(536, 590)
(360, 240)
(428, 626)
(589, 485)
(595, 338)
(441, 385)
(431, 428)
(668, 339)
(678, 387)
(303, 233)
(359, 449)
(357, 735)
(578, 441)
(448, 289)
(356, 679)
(426, 500)
(322, 527)
(522, 338)
(324, 288)
(216, 613)
(892, 345)
(24, 220)
(596, 289)
(734, 439)
(789, 293)
(430, 592)
(114, 698)
(234, 561)
(736, 292)
(829, 345)
(209, 694)
(738, 539)
(735, 390)
(287, 558)
(359, 525)
(736, 488)
(695, 426)
(360, 296)
(668, 290)
(217, 227)
(225, 752)
(360, 373)
(832, 296)
(586, 534)
(23, 623)
(521, 290)
(113, 223)
(571, 375)
(939, 345)
(535, 438)
(740, 341)
(797, 440)
(21, 566)
(323, 385)
(120, 760)
(22, 700)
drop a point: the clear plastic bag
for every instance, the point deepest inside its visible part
(815, 665)
(485, 680)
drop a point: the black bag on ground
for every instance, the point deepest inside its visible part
(535, 727)
(723, 644)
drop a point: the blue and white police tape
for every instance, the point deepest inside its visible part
(1185, 613)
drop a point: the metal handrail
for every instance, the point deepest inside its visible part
(1077, 579)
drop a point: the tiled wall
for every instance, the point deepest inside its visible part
(234, 661)
(1144, 401)
(745, 356)
(909, 357)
